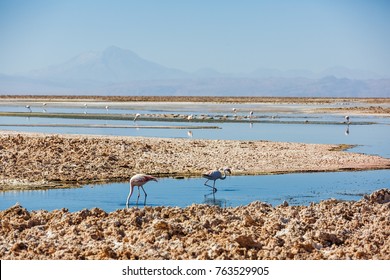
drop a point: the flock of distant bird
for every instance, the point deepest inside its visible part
(190, 117)
(139, 180)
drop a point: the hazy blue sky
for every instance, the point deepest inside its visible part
(229, 36)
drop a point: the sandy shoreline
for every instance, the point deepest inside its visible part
(328, 230)
(34, 159)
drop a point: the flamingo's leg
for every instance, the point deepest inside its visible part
(214, 188)
(139, 193)
(145, 195)
(208, 185)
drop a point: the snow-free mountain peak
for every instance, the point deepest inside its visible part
(112, 65)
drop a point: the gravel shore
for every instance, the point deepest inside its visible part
(41, 160)
(330, 229)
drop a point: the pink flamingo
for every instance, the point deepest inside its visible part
(215, 175)
(139, 180)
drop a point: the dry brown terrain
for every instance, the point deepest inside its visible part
(47, 160)
(328, 230)
(222, 99)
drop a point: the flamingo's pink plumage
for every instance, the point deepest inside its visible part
(139, 180)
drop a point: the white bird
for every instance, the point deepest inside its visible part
(189, 133)
(139, 180)
(250, 114)
(215, 175)
(136, 116)
(28, 107)
(190, 117)
(107, 107)
(347, 119)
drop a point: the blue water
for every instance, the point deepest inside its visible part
(296, 189)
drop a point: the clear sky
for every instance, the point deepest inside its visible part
(227, 35)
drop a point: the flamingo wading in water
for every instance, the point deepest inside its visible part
(215, 175)
(139, 180)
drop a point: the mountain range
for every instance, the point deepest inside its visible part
(116, 71)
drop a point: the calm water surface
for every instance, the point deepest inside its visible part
(296, 189)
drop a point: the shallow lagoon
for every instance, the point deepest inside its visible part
(296, 189)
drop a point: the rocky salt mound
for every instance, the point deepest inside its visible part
(331, 229)
(37, 160)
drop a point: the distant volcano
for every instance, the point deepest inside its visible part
(113, 65)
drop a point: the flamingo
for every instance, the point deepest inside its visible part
(29, 108)
(215, 175)
(137, 116)
(139, 180)
(250, 114)
(347, 119)
(107, 107)
(190, 117)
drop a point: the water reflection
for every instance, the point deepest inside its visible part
(347, 130)
(210, 199)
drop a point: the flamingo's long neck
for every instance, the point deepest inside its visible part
(224, 176)
(130, 193)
